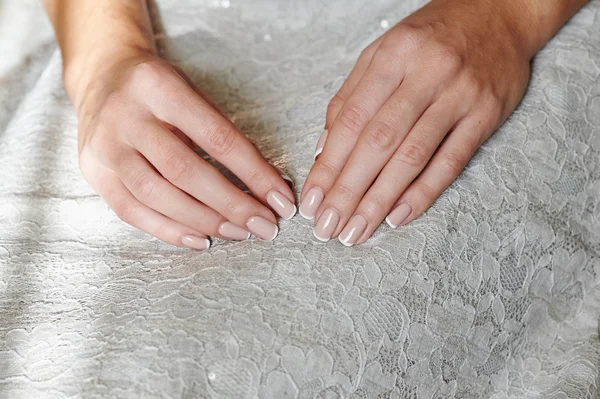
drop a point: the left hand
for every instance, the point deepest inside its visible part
(419, 102)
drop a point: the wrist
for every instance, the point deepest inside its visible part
(535, 22)
(91, 72)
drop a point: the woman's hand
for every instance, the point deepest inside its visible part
(137, 126)
(417, 105)
(140, 117)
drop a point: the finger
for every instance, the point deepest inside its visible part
(403, 167)
(154, 191)
(186, 170)
(380, 80)
(133, 212)
(347, 88)
(374, 148)
(218, 137)
(338, 100)
(444, 168)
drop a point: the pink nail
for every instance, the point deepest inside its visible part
(280, 204)
(398, 215)
(353, 230)
(262, 228)
(310, 204)
(321, 143)
(195, 242)
(233, 232)
(326, 225)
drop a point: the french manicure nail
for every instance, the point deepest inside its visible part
(262, 228)
(195, 242)
(353, 230)
(286, 178)
(233, 232)
(321, 143)
(310, 204)
(280, 204)
(398, 215)
(326, 225)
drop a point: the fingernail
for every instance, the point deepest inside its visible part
(353, 230)
(195, 242)
(326, 225)
(233, 232)
(286, 178)
(398, 215)
(310, 204)
(280, 204)
(262, 228)
(321, 143)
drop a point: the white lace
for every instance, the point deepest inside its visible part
(495, 292)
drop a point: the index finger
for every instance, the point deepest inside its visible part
(218, 137)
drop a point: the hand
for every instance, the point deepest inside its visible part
(417, 105)
(137, 126)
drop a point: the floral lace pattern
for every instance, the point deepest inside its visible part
(494, 292)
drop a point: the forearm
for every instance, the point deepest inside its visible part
(539, 20)
(528, 24)
(95, 35)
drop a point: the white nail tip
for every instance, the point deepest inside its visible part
(287, 178)
(317, 153)
(345, 242)
(293, 214)
(276, 233)
(319, 238)
(387, 220)
(304, 216)
(207, 243)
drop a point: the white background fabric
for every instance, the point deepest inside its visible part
(495, 292)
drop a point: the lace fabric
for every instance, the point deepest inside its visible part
(494, 292)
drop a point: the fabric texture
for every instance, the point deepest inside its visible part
(494, 292)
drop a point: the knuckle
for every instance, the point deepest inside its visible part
(367, 52)
(452, 163)
(256, 180)
(425, 192)
(126, 211)
(404, 37)
(494, 106)
(471, 84)
(178, 167)
(143, 187)
(324, 170)
(231, 206)
(413, 154)
(376, 205)
(380, 136)
(85, 161)
(353, 118)
(150, 74)
(336, 103)
(345, 193)
(221, 139)
(449, 58)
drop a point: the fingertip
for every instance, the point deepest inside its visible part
(389, 222)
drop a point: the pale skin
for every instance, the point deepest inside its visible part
(419, 102)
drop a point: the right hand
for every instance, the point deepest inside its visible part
(137, 127)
